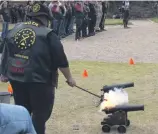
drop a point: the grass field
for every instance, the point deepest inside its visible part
(75, 107)
(155, 20)
(115, 22)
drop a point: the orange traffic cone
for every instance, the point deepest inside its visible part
(10, 90)
(131, 61)
(85, 74)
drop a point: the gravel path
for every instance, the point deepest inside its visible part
(117, 44)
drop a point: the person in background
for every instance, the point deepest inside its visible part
(98, 8)
(51, 4)
(86, 11)
(21, 12)
(104, 12)
(63, 24)
(5, 12)
(28, 10)
(125, 12)
(15, 120)
(79, 19)
(13, 15)
(68, 18)
(52, 7)
(92, 19)
(57, 21)
(71, 26)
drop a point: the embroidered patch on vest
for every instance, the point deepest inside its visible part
(25, 38)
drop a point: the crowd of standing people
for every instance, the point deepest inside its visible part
(88, 17)
(12, 14)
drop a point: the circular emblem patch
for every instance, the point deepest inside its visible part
(25, 38)
(36, 8)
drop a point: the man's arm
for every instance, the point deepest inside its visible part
(60, 59)
(66, 72)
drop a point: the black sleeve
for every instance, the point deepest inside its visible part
(57, 51)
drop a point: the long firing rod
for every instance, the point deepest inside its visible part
(88, 92)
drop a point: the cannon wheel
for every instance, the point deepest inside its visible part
(106, 128)
(128, 123)
(121, 129)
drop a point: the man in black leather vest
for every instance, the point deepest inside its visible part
(31, 56)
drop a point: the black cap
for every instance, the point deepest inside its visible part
(39, 9)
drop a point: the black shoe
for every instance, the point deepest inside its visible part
(103, 30)
(98, 30)
(63, 36)
(126, 27)
(92, 34)
(84, 36)
(77, 39)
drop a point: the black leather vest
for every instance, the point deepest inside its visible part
(29, 58)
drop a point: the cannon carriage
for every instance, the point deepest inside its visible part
(118, 115)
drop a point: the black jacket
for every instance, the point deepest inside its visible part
(32, 53)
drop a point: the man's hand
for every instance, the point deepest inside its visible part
(71, 82)
(3, 79)
(66, 72)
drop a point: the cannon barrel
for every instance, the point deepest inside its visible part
(125, 108)
(126, 85)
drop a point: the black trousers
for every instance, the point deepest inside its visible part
(38, 99)
(92, 23)
(68, 24)
(125, 18)
(79, 22)
(125, 23)
(102, 22)
(84, 28)
(14, 19)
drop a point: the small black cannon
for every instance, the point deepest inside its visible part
(117, 116)
(106, 89)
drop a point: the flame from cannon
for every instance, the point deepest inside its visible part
(113, 98)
